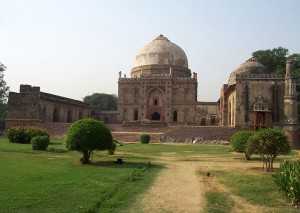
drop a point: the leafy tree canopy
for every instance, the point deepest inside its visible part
(102, 101)
(275, 59)
(86, 135)
(3, 87)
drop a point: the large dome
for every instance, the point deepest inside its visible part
(251, 66)
(161, 52)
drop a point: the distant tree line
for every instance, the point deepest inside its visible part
(3, 97)
(102, 101)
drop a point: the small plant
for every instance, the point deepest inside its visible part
(287, 178)
(144, 138)
(24, 134)
(268, 143)
(86, 135)
(239, 142)
(113, 147)
(40, 142)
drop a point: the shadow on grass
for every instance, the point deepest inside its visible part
(125, 164)
(51, 149)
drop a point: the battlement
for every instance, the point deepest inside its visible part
(260, 76)
(25, 88)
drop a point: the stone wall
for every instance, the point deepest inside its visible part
(57, 130)
(173, 134)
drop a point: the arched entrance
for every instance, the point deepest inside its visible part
(155, 104)
(175, 116)
(155, 116)
(55, 115)
(203, 122)
(136, 115)
(69, 117)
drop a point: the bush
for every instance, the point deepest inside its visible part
(113, 147)
(239, 142)
(144, 138)
(40, 142)
(24, 134)
(268, 143)
(287, 178)
(86, 135)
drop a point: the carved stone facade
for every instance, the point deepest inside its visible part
(252, 97)
(256, 99)
(33, 107)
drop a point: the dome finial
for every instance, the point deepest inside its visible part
(162, 37)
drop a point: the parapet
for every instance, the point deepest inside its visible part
(24, 88)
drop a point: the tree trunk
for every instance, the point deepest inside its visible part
(86, 157)
(247, 156)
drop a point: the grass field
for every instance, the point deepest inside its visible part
(55, 181)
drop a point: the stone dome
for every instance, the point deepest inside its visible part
(251, 66)
(161, 52)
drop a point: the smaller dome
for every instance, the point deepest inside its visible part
(251, 66)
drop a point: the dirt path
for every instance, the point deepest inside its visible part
(177, 189)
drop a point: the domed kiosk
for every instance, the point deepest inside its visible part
(253, 97)
(160, 88)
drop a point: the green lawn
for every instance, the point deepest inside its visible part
(55, 181)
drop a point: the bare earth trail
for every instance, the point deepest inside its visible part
(177, 189)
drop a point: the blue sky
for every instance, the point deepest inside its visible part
(74, 48)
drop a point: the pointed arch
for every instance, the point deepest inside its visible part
(155, 116)
(56, 115)
(69, 117)
(175, 116)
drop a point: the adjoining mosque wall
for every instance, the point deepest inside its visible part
(31, 107)
(248, 90)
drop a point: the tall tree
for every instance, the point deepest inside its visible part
(3, 87)
(273, 59)
(101, 101)
(3, 96)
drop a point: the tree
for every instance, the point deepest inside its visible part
(3, 87)
(239, 142)
(268, 143)
(274, 59)
(87, 135)
(3, 96)
(101, 101)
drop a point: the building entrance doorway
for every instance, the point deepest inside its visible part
(155, 116)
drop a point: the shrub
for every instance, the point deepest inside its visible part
(239, 142)
(86, 135)
(287, 178)
(145, 138)
(24, 134)
(113, 147)
(268, 143)
(40, 142)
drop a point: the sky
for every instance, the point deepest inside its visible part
(74, 48)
